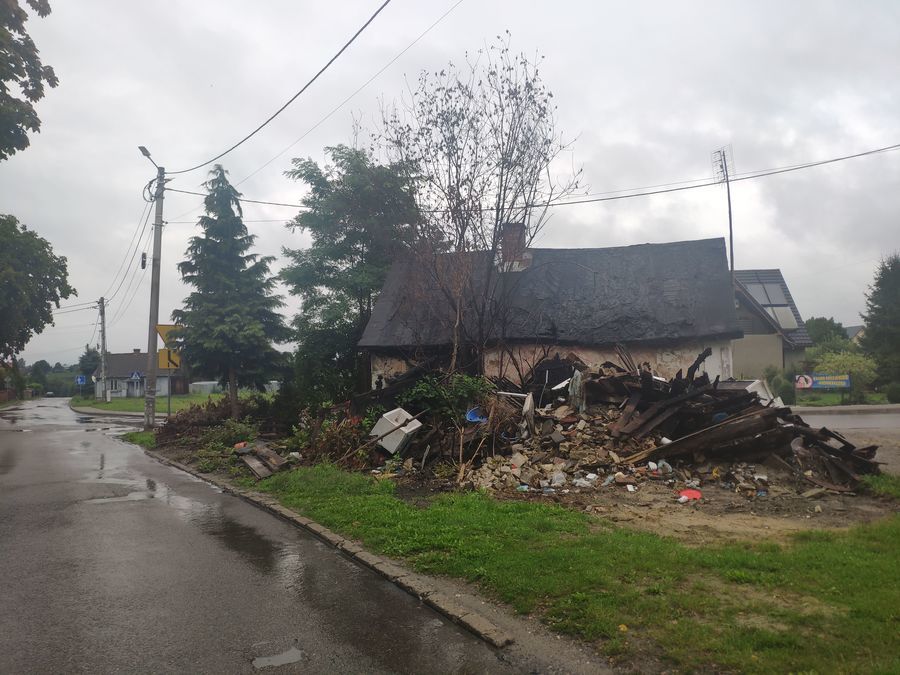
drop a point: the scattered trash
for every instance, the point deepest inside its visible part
(476, 416)
(690, 495)
(396, 427)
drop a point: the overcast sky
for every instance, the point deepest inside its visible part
(646, 90)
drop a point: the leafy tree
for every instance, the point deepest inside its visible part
(882, 317)
(821, 329)
(21, 69)
(89, 361)
(32, 281)
(230, 319)
(359, 214)
(39, 370)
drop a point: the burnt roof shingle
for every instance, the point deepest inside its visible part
(597, 296)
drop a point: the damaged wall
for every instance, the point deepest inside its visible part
(666, 361)
(388, 367)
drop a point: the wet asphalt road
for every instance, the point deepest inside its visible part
(112, 562)
(881, 429)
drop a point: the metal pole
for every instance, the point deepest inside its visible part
(730, 230)
(103, 388)
(150, 374)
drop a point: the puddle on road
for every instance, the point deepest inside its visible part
(130, 497)
(292, 655)
(269, 557)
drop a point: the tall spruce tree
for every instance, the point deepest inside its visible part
(882, 317)
(230, 321)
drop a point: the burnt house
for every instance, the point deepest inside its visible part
(664, 302)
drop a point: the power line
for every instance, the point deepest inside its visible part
(193, 222)
(133, 257)
(130, 243)
(71, 311)
(123, 307)
(293, 98)
(77, 304)
(679, 187)
(359, 89)
(241, 199)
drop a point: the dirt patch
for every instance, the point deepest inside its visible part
(722, 514)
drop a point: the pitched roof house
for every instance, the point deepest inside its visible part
(665, 302)
(125, 377)
(774, 332)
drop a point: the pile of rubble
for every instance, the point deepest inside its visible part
(622, 426)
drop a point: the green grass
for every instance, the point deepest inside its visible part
(6, 404)
(828, 602)
(883, 485)
(146, 439)
(832, 398)
(179, 402)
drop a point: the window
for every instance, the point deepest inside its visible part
(785, 317)
(776, 294)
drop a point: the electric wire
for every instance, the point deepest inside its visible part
(123, 307)
(137, 229)
(633, 192)
(133, 256)
(72, 311)
(77, 304)
(290, 100)
(358, 89)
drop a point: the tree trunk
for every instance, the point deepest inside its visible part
(233, 393)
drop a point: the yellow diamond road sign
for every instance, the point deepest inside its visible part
(168, 359)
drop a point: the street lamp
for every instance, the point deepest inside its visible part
(146, 153)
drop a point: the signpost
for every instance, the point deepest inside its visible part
(80, 381)
(167, 359)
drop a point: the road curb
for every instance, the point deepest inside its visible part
(846, 409)
(413, 583)
(84, 410)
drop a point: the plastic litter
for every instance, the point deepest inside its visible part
(690, 495)
(476, 416)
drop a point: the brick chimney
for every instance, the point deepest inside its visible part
(512, 242)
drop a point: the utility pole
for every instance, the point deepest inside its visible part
(720, 164)
(103, 349)
(150, 374)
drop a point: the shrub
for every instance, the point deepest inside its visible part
(230, 432)
(787, 393)
(892, 391)
(449, 396)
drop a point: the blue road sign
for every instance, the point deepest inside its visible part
(136, 375)
(80, 380)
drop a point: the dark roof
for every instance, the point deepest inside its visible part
(770, 290)
(123, 365)
(597, 296)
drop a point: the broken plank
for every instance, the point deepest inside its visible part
(259, 469)
(270, 458)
